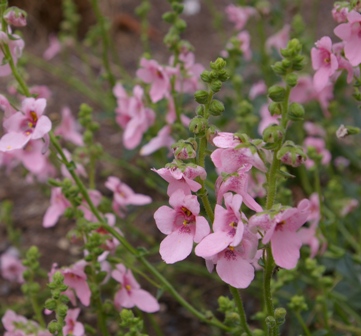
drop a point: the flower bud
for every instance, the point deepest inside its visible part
(271, 322)
(291, 154)
(200, 110)
(177, 7)
(169, 17)
(219, 64)
(298, 63)
(205, 76)
(216, 107)
(273, 134)
(54, 327)
(198, 125)
(62, 310)
(280, 315)
(211, 132)
(15, 16)
(50, 304)
(279, 69)
(296, 112)
(185, 149)
(291, 80)
(201, 96)
(277, 93)
(216, 85)
(181, 25)
(344, 131)
(223, 75)
(275, 108)
(293, 48)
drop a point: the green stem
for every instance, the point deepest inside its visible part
(242, 314)
(14, 69)
(272, 182)
(37, 311)
(302, 323)
(105, 41)
(341, 326)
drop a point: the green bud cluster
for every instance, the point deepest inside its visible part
(129, 322)
(292, 61)
(209, 106)
(172, 39)
(298, 303)
(71, 19)
(273, 136)
(57, 302)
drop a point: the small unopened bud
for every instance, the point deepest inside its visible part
(181, 25)
(62, 310)
(15, 16)
(275, 108)
(216, 85)
(219, 64)
(223, 75)
(277, 93)
(279, 69)
(177, 7)
(291, 80)
(198, 125)
(271, 322)
(50, 304)
(344, 131)
(291, 154)
(205, 76)
(296, 112)
(185, 149)
(293, 48)
(273, 134)
(280, 315)
(201, 96)
(54, 327)
(216, 107)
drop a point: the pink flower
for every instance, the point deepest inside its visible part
(228, 227)
(72, 326)
(230, 157)
(239, 15)
(11, 267)
(182, 179)
(257, 89)
(313, 129)
(75, 278)
(281, 231)
(339, 14)
(163, 139)
(17, 325)
(6, 107)
(16, 46)
(266, 119)
(58, 205)
(187, 80)
(279, 40)
(350, 33)
(324, 62)
(53, 49)
(238, 183)
(131, 294)
(69, 128)
(15, 17)
(30, 124)
(182, 225)
(132, 115)
(124, 195)
(320, 147)
(234, 263)
(152, 73)
(349, 206)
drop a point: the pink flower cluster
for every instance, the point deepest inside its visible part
(232, 247)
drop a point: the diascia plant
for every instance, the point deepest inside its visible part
(257, 174)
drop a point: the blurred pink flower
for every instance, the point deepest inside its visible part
(72, 326)
(239, 15)
(69, 129)
(279, 40)
(11, 267)
(320, 146)
(58, 205)
(124, 195)
(130, 294)
(53, 49)
(350, 33)
(16, 46)
(257, 89)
